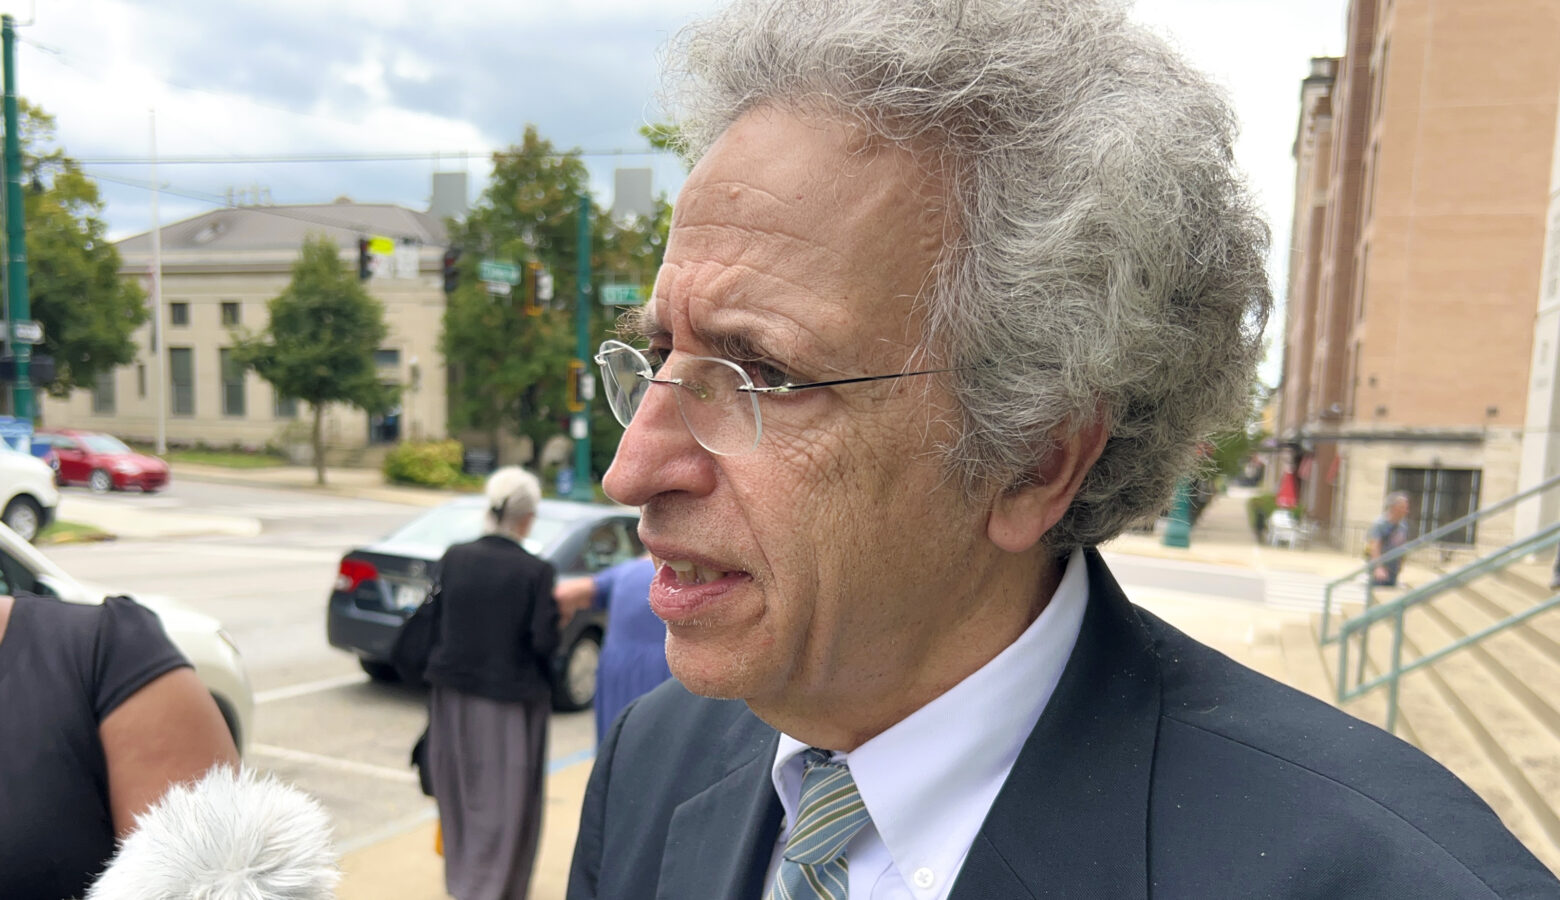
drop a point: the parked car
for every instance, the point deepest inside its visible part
(103, 462)
(28, 496)
(198, 636)
(377, 587)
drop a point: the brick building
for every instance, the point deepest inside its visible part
(1424, 160)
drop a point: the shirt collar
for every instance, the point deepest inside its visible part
(929, 780)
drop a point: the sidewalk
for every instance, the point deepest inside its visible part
(368, 484)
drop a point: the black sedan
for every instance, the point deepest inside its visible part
(378, 586)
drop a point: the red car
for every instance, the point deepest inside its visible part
(102, 462)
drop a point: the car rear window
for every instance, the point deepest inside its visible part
(454, 523)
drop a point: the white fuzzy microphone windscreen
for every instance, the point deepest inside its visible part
(230, 836)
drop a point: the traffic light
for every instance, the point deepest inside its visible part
(533, 286)
(451, 270)
(579, 391)
(365, 260)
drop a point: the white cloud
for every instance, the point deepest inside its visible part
(377, 76)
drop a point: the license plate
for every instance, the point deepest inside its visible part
(408, 596)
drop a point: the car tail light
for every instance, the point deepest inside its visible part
(354, 572)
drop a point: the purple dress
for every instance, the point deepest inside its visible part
(633, 655)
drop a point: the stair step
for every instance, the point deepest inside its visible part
(1525, 671)
(1458, 712)
(1304, 664)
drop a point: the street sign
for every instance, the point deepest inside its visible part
(497, 271)
(621, 295)
(26, 331)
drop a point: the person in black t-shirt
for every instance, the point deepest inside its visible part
(100, 715)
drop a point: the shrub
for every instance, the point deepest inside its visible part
(427, 464)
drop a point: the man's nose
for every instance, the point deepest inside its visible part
(658, 454)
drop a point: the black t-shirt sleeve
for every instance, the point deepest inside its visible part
(132, 650)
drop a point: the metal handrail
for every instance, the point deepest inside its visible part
(1397, 608)
(1399, 552)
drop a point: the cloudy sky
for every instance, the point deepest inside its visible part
(371, 78)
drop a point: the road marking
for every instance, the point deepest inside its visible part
(395, 829)
(309, 687)
(431, 813)
(558, 765)
(331, 762)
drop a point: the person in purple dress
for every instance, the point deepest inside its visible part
(633, 655)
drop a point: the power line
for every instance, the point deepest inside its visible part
(353, 157)
(282, 212)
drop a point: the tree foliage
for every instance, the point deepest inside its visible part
(319, 344)
(88, 311)
(510, 366)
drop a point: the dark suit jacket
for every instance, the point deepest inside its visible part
(498, 625)
(1160, 768)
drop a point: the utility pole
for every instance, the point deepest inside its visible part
(15, 235)
(580, 427)
(160, 396)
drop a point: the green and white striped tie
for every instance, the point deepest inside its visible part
(814, 866)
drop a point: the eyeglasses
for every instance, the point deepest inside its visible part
(716, 397)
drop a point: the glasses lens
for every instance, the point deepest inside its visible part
(623, 373)
(723, 419)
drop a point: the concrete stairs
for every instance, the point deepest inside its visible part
(1489, 712)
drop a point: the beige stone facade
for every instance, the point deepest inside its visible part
(1410, 328)
(219, 271)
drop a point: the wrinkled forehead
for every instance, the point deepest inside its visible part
(818, 218)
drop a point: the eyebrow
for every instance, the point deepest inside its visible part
(738, 345)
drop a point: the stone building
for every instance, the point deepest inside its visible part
(218, 271)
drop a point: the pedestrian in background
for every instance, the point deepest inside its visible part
(1388, 533)
(99, 715)
(633, 654)
(489, 673)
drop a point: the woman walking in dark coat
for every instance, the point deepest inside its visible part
(490, 697)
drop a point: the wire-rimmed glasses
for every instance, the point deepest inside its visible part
(717, 399)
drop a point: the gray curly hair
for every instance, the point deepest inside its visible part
(1109, 260)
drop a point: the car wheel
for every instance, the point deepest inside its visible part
(382, 672)
(101, 482)
(24, 516)
(576, 689)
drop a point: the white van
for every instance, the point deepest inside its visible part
(28, 495)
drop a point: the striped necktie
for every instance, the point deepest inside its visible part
(814, 866)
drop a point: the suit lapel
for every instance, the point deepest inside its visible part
(1072, 818)
(719, 841)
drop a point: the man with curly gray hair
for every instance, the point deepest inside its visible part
(950, 297)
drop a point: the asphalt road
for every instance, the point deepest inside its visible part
(319, 722)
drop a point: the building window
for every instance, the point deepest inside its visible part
(230, 313)
(1438, 497)
(140, 380)
(103, 394)
(178, 314)
(232, 384)
(387, 359)
(181, 380)
(286, 407)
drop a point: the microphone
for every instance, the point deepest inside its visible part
(230, 836)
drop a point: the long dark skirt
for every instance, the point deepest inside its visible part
(488, 764)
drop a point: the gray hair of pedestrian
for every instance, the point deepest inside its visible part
(1392, 500)
(1103, 260)
(512, 494)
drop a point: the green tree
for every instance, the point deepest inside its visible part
(88, 311)
(510, 364)
(319, 344)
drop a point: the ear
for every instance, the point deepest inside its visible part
(1020, 516)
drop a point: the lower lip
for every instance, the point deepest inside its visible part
(676, 602)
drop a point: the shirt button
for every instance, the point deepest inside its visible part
(923, 877)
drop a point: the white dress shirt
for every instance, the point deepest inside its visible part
(929, 780)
